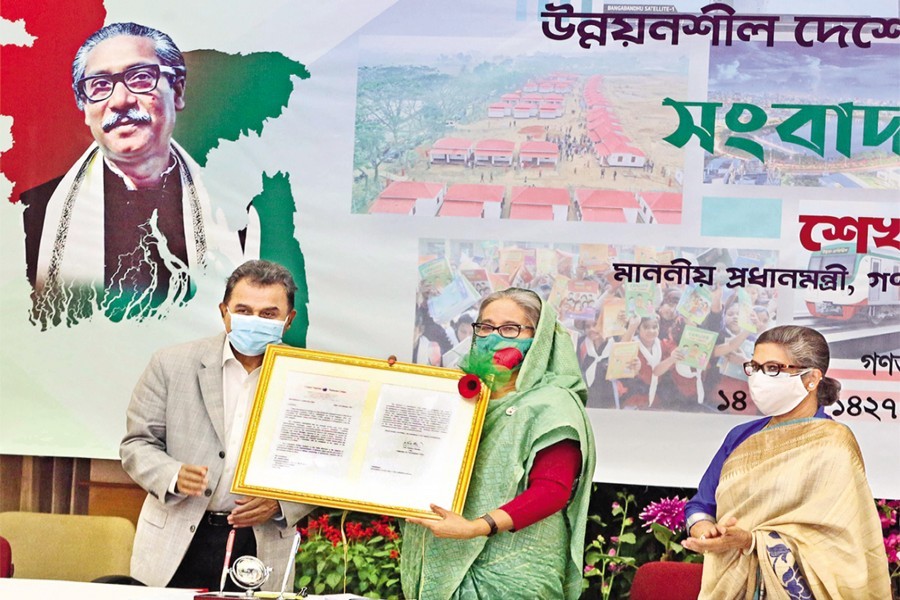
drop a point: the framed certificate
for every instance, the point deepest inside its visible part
(360, 434)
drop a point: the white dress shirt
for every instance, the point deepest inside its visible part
(238, 388)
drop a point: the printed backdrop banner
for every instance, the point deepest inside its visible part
(675, 179)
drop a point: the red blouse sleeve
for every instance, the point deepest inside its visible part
(549, 484)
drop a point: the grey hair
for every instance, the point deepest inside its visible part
(166, 50)
(527, 300)
(807, 348)
(262, 273)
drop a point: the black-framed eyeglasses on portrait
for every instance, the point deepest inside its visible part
(509, 330)
(141, 79)
(772, 368)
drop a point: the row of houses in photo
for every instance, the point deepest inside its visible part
(523, 105)
(558, 82)
(526, 202)
(493, 153)
(541, 98)
(611, 145)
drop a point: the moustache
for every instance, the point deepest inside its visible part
(133, 116)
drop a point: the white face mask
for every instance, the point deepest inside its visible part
(776, 396)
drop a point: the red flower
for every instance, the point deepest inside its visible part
(320, 523)
(333, 535)
(508, 357)
(469, 386)
(395, 554)
(354, 530)
(385, 531)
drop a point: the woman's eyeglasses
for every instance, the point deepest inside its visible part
(772, 369)
(510, 330)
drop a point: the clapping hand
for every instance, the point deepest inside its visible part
(720, 537)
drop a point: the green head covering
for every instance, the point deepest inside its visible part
(551, 359)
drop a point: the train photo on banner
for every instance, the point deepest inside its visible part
(860, 299)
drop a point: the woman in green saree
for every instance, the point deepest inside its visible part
(521, 534)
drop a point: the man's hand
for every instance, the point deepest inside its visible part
(725, 537)
(192, 480)
(452, 525)
(252, 511)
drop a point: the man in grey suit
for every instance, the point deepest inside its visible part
(186, 422)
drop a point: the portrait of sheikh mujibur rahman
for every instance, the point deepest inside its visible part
(122, 230)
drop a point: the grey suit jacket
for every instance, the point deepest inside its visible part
(177, 416)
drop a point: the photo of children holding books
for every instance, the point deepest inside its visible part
(641, 345)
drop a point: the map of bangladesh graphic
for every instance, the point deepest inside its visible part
(229, 98)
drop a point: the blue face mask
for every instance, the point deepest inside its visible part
(250, 334)
(493, 342)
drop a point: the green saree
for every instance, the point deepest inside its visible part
(543, 560)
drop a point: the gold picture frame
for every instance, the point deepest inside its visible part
(360, 434)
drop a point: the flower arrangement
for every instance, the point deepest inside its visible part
(887, 510)
(609, 557)
(665, 520)
(362, 556)
(620, 545)
(359, 557)
(617, 546)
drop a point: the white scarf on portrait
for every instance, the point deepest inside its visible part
(72, 248)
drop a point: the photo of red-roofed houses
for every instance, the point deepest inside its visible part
(549, 138)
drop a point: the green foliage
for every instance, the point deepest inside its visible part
(610, 555)
(402, 109)
(672, 550)
(360, 556)
(618, 545)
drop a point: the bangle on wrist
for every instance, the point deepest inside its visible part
(491, 523)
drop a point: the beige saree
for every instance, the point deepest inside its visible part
(800, 488)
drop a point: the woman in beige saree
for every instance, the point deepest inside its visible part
(794, 516)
